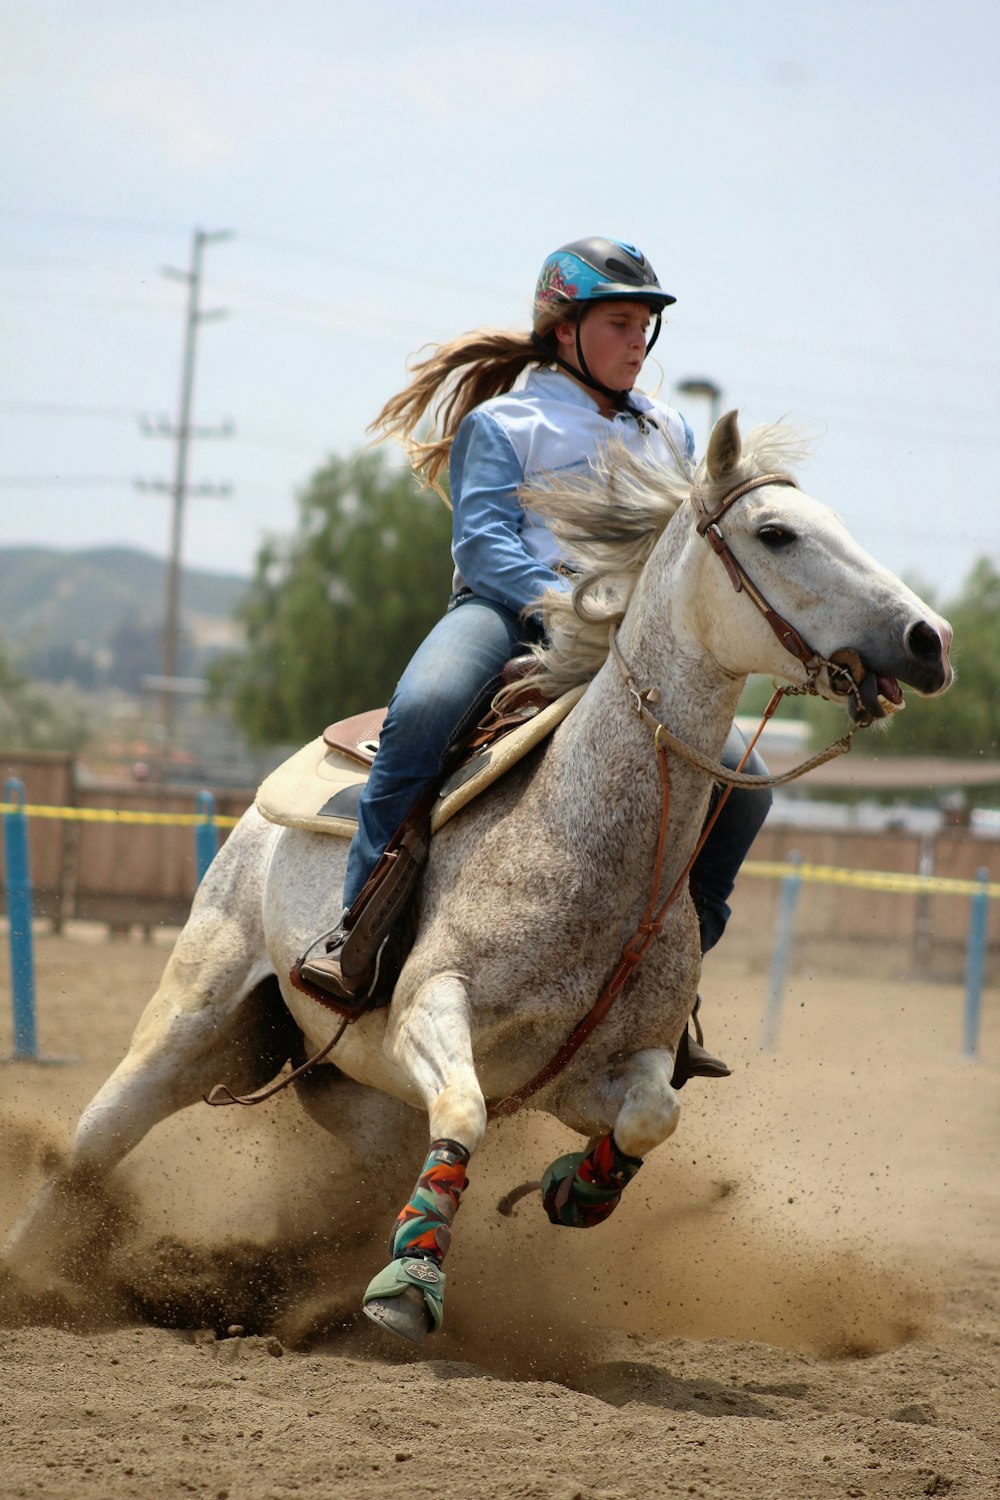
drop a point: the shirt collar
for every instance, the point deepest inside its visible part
(556, 386)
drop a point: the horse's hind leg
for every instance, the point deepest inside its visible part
(581, 1189)
(217, 1013)
(176, 1056)
(431, 1039)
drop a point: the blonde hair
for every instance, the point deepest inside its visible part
(452, 381)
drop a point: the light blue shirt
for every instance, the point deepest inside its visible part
(502, 551)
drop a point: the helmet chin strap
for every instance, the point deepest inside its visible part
(581, 370)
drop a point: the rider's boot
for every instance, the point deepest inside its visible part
(347, 974)
(327, 973)
(693, 1060)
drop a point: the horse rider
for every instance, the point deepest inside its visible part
(507, 408)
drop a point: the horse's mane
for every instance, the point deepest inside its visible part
(607, 522)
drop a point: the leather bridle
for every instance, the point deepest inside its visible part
(845, 668)
(708, 527)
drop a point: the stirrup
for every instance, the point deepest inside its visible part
(351, 1006)
(323, 980)
(693, 1060)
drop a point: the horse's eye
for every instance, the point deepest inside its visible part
(776, 537)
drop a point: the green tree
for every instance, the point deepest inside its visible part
(33, 717)
(967, 722)
(335, 612)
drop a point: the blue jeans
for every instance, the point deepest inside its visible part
(443, 694)
(714, 872)
(439, 699)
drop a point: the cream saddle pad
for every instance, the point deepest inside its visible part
(318, 788)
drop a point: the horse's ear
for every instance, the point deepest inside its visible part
(724, 447)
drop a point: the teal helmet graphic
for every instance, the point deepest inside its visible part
(595, 270)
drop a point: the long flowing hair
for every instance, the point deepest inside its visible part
(453, 380)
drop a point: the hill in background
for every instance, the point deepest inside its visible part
(96, 616)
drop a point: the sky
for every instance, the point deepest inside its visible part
(817, 181)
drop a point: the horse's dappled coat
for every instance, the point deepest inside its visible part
(529, 897)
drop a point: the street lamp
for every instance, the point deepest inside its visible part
(701, 386)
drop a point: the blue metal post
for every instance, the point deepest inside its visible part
(206, 834)
(784, 936)
(22, 958)
(975, 964)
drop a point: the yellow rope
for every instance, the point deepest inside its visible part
(112, 815)
(870, 880)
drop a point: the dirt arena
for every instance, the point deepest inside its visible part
(798, 1297)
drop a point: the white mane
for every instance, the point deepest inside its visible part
(607, 522)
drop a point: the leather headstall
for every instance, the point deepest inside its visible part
(708, 527)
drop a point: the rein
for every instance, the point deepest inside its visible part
(645, 934)
(652, 919)
(717, 771)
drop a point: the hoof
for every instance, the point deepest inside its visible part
(407, 1298)
(405, 1315)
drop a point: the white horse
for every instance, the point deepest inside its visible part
(531, 896)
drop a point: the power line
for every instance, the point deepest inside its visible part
(61, 263)
(67, 409)
(833, 351)
(385, 268)
(62, 481)
(53, 216)
(752, 340)
(357, 311)
(106, 304)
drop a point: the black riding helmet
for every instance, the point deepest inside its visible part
(586, 271)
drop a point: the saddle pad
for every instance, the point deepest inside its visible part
(318, 788)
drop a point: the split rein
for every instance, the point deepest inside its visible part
(653, 917)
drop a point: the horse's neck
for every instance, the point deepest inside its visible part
(610, 771)
(660, 642)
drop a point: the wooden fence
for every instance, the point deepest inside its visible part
(123, 874)
(858, 929)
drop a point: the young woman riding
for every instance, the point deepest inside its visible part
(597, 314)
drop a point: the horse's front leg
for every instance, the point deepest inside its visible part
(430, 1038)
(581, 1189)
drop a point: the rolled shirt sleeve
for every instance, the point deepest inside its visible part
(487, 542)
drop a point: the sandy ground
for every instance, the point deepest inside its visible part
(798, 1297)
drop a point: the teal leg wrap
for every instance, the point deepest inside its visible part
(424, 1226)
(421, 1236)
(582, 1189)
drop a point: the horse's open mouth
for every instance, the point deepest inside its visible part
(870, 695)
(880, 695)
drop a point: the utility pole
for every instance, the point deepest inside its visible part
(180, 490)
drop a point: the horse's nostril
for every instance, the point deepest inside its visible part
(923, 642)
